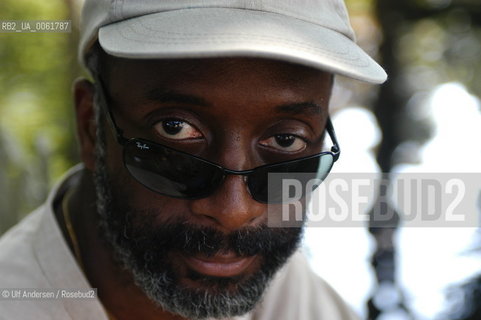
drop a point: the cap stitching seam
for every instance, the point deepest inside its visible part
(226, 36)
(262, 39)
(258, 11)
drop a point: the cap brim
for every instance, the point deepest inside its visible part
(218, 32)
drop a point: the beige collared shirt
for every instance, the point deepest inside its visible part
(34, 254)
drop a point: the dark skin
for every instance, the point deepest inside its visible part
(238, 112)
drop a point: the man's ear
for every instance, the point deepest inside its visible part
(85, 117)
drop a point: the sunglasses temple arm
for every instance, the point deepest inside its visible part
(336, 150)
(117, 132)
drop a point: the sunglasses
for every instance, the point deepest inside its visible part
(178, 174)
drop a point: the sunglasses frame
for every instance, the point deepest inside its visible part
(140, 143)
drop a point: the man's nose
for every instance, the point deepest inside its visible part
(230, 207)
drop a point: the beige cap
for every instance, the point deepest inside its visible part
(315, 33)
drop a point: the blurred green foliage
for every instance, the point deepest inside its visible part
(36, 118)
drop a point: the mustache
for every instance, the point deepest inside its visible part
(193, 240)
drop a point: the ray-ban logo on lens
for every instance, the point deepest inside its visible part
(142, 146)
(356, 199)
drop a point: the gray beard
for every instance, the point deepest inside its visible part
(141, 249)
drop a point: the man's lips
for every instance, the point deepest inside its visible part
(219, 265)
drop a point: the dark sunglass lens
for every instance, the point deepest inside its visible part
(266, 183)
(170, 172)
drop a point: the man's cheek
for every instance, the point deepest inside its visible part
(134, 197)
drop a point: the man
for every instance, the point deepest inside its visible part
(192, 104)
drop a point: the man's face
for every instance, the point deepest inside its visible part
(209, 257)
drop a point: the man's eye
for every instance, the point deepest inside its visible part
(285, 142)
(177, 130)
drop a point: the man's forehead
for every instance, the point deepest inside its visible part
(222, 65)
(280, 87)
(216, 71)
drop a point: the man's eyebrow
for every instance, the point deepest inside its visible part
(167, 95)
(308, 108)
